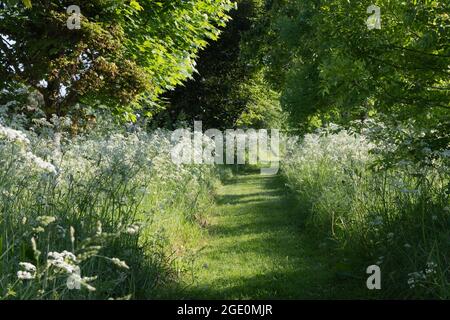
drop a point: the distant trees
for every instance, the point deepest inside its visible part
(228, 91)
(330, 65)
(320, 57)
(125, 55)
(326, 60)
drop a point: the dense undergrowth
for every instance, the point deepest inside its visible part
(375, 209)
(88, 216)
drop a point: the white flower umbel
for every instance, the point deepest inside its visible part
(28, 272)
(40, 163)
(64, 261)
(13, 135)
(28, 266)
(25, 275)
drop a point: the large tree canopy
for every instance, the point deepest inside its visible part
(329, 65)
(125, 51)
(227, 91)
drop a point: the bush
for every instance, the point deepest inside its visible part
(78, 213)
(396, 215)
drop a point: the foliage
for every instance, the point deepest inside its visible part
(124, 52)
(227, 91)
(80, 212)
(331, 67)
(396, 217)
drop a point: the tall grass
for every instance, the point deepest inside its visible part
(396, 216)
(77, 216)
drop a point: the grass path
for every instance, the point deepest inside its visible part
(257, 248)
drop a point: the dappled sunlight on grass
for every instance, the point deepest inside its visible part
(258, 249)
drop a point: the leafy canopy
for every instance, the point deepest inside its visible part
(126, 53)
(328, 63)
(227, 91)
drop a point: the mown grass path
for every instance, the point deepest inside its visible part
(257, 248)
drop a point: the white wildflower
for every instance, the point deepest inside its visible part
(133, 229)
(28, 266)
(72, 234)
(120, 263)
(13, 135)
(416, 278)
(25, 275)
(64, 261)
(40, 163)
(411, 283)
(45, 220)
(431, 268)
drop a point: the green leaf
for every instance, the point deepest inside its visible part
(27, 3)
(135, 5)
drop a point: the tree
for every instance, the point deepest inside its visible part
(330, 65)
(227, 91)
(126, 53)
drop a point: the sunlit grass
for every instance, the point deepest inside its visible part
(257, 248)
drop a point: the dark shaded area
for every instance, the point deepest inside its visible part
(275, 225)
(213, 95)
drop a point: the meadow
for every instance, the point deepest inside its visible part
(97, 216)
(394, 215)
(354, 96)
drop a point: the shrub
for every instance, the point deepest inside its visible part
(394, 215)
(77, 213)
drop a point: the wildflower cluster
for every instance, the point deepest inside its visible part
(388, 208)
(81, 207)
(421, 278)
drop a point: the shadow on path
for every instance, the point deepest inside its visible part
(257, 248)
